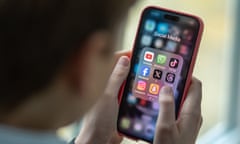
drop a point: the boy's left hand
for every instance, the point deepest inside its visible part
(99, 125)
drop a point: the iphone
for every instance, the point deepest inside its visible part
(164, 53)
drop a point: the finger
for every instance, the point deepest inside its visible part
(166, 118)
(166, 112)
(118, 54)
(190, 116)
(194, 97)
(115, 139)
(118, 75)
(200, 124)
(195, 134)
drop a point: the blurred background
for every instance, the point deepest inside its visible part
(214, 62)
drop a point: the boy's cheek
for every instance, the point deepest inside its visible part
(95, 78)
(102, 71)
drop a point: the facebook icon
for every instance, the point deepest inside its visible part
(145, 71)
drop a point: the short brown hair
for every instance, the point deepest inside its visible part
(38, 36)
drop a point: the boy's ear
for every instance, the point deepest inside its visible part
(77, 67)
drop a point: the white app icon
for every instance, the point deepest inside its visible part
(148, 56)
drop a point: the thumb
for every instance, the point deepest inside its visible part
(167, 106)
(166, 117)
(115, 139)
(118, 75)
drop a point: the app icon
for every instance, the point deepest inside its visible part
(149, 130)
(161, 59)
(175, 31)
(145, 71)
(173, 63)
(157, 74)
(187, 34)
(158, 43)
(125, 123)
(154, 89)
(138, 126)
(146, 40)
(183, 50)
(171, 46)
(163, 28)
(141, 85)
(143, 102)
(148, 56)
(150, 25)
(155, 105)
(131, 99)
(170, 78)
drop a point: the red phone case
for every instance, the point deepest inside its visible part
(194, 57)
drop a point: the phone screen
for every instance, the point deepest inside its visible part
(162, 55)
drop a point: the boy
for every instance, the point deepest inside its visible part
(56, 58)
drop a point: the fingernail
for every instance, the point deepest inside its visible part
(124, 61)
(167, 90)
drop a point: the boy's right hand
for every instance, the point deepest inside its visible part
(100, 122)
(186, 128)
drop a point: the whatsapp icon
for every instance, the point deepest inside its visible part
(161, 59)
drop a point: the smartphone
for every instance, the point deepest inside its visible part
(164, 53)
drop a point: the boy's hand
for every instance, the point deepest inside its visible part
(186, 128)
(99, 124)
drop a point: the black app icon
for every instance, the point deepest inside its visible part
(170, 78)
(157, 74)
(173, 63)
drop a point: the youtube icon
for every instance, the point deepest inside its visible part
(148, 56)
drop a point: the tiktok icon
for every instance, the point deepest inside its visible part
(173, 63)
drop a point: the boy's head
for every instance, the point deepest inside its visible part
(55, 56)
